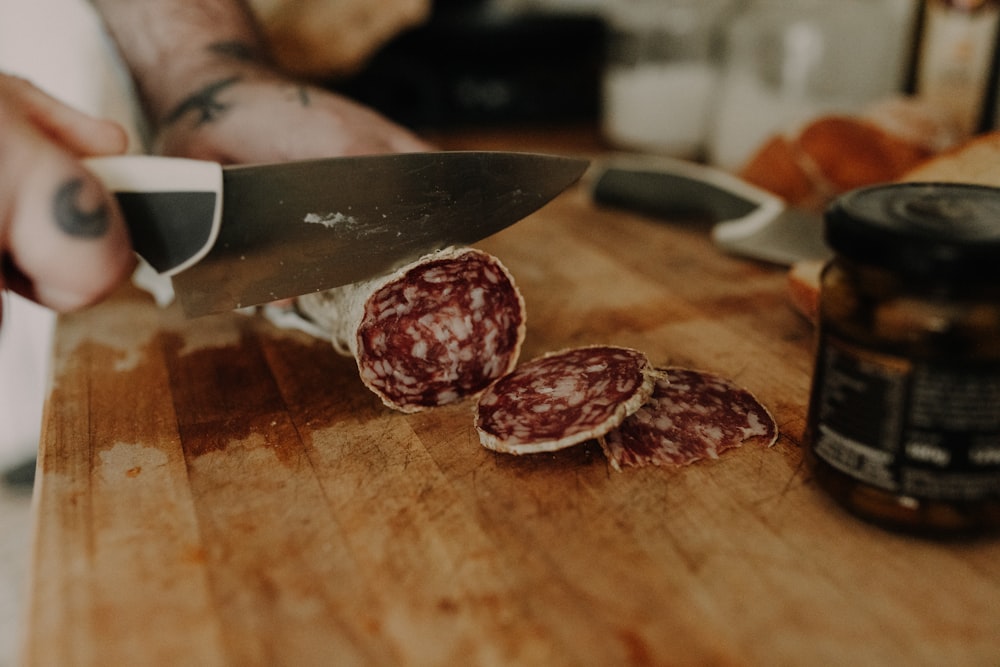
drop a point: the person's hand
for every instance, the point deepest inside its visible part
(269, 118)
(63, 242)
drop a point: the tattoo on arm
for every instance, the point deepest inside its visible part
(72, 219)
(205, 103)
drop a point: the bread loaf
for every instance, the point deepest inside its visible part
(333, 38)
(810, 165)
(976, 161)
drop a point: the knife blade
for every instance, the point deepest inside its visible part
(245, 235)
(749, 221)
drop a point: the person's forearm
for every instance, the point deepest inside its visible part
(184, 53)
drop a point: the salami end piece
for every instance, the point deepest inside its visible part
(563, 398)
(691, 416)
(432, 333)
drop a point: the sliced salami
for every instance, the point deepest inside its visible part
(563, 398)
(691, 415)
(435, 331)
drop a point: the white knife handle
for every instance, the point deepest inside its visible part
(172, 206)
(675, 185)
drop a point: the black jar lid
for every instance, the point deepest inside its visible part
(936, 231)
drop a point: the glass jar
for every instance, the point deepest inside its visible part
(660, 74)
(904, 417)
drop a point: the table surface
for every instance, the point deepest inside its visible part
(218, 491)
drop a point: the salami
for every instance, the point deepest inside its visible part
(429, 334)
(563, 398)
(692, 415)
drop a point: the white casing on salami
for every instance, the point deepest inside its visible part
(433, 332)
(563, 398)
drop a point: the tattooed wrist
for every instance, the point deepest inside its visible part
(205, 103)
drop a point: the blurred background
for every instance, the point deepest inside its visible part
(805, 97)
(783, 92)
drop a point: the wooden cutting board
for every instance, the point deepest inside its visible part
(222, 492)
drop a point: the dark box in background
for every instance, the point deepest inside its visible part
(472, 64)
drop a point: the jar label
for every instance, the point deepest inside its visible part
(918, 429)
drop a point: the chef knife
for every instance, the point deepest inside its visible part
(749, 221)
(237, 236)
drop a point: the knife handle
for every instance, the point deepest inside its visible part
(671, 188)
(172, 206)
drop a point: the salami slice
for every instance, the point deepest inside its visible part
(431, 333)
(692, 415)
(563, 398)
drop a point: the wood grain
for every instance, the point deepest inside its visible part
(220, 492)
